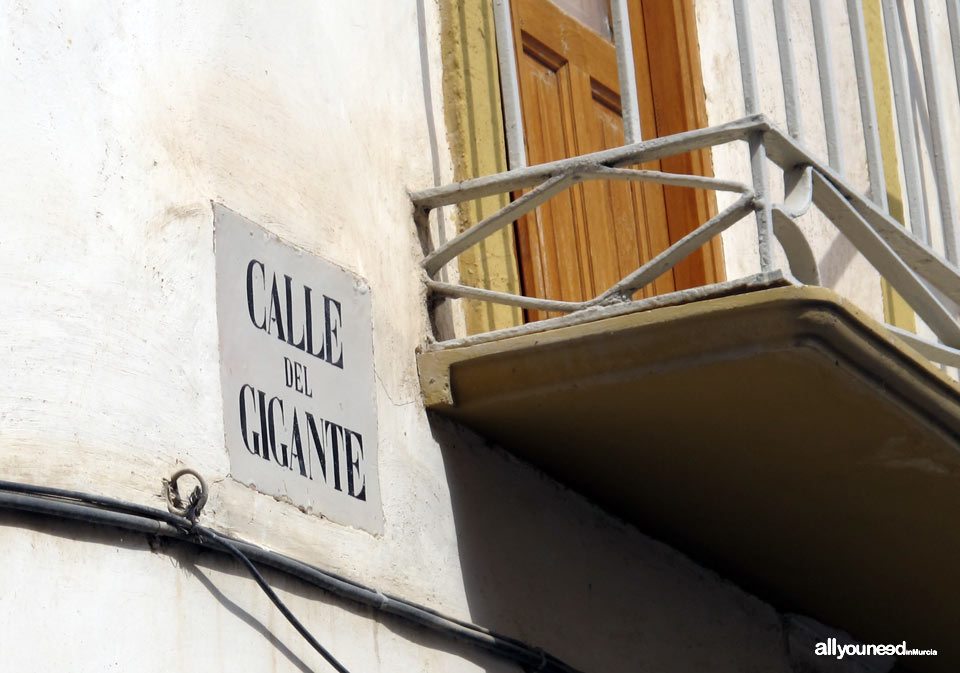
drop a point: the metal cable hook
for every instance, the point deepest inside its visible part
(189, 508)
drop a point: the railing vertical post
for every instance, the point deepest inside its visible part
(761, 202)
(953, 18)
(868, 109)
(904, 104)
(788, 71)
(629, 109)
(509, 85)
(941, 161)
(828, 89)
(758, 151)
(748, 66)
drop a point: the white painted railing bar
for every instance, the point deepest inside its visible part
(509, 85)
(670, 257)
(790, 156)
(868, 108)
(890, 265)
(648, 150)
(953, 19)
(748, 64)
(934, 269)
(762, 204)
(470, 292)
(941, 159)
(936, 352)
(548, 189)
(758, 281)
(904, 105)
(908, 264)
(506, 215)
(673, 179)
(828, 87)
(758, 157)
(629, 109)
(788, 69)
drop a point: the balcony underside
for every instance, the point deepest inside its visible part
(780, 436)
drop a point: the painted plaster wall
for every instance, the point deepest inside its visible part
(841, 268)
(121, 123)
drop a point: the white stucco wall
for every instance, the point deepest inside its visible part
(124, 123)
(120, 124)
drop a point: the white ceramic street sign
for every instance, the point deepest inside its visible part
(296, 368)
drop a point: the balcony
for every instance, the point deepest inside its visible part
(765, 424)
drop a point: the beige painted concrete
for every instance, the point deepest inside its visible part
(471, 92)
(783, 434)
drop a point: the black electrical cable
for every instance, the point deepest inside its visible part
(226, 544)
(103, 510)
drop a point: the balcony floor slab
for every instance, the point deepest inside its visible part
(780, 436)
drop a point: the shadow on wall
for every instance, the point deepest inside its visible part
(544, 565)
(198, 620)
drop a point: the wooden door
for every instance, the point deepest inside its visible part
(586, 239)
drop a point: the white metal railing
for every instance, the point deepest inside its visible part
(929, 283)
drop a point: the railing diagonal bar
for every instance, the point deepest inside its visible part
(660, 177)
(890, 265)
(628, 155)
(935, 352)
(926, 263)
(435, 260)
(669, 258)
(535, 303)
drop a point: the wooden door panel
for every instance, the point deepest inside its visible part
(614, 245)
(564, 254)
(672, 101)
(550, 231)
(589, 237)
(654, 204)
